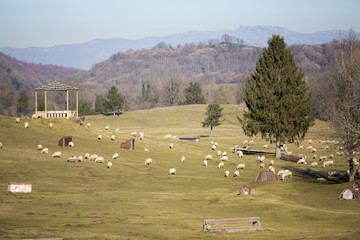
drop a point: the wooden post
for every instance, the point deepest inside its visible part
(67, 104)
(45, 104)
(36, 102)
(77, 103)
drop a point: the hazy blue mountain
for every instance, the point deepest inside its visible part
(85, 55)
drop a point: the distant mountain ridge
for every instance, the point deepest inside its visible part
(85, 55)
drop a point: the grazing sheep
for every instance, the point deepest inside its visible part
(44, 151)
(182, 159)
(167, 136)
(286, 175)
(218, 153)
(309, 141)
(271, 169)
(80, 158)
(40, 147)
(323, 158)
(117, 130)
(109, 164)
(220, 165)
(251, 141)
(309, 148)
(301, 161)
(335, 173)
(313, 164)
(328, 163)
(227, 173)
(51, 125)
(1, 145)
(146, 149)
(326, 148)
(240, 154)
(262, 165)
(99, 137)
(173, 137)
(107, 128)
(300, 147)
(115, 156)
(99, 160)
(308, 170)
(26, 125)
(208, 157)
(71, 144)
(34, 116)
(148, 161)
(205, 163)
(272, 163)
(172, 171)
(331, 156)
(93, 157)
(261, 159)
(197, 140)
(313, 150)
(245, 141)
(72, 159)
(283, 171)
(134, 134)
(141, 135)
(57, 154)
(236, 174)
(88, 125)
(314, 156)
(216, 144)
(265, 146)
(171, 146)
(213, 147)
(17, 120)
(87, 156)
(112, 137)
(224, 159)
(240, 166)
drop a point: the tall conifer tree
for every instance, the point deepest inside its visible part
(276, 97)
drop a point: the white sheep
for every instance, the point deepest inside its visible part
(224, 158)
(251, 141)
(88, 125)
(34, 116)
(109, 164)
(227, 173)
(314, 156)
(87, 156)
(301, 147)
(134, 134)
(216, 144)
(112, 137)
(224, 153)
(236, 174)
(72, 159)
(146, 149)
(44, 151)
(245, 141)
(220, 165)
(117, 130)
(309, 148)
(213, 147)
(313, 164)
(313, 150)
(51, 125)
(182, 159)
(115, 156)
(71, 144)
(261, 159)
(141, 135)
(265, 146)
(272, 163)
(286, 175)
(107, 127)
(80, 158)
(39, 147)
(99, 137)
(167, 136)
(208, 157)
(93, 157)
(99, 160)
(335, 173)
(148, 161)
(171, 146)
(331, 156)
(1, 145)
(26, 125)
(328, 163)
(271, 169)
(57, 154)
(301, 161)
(197, 140)
(173, 137)
(309, 141)
(326, 148)
(240, 154)
(218, 153)
(308, 170)
(205, 163)
(172, 171)
(212, 142)
(283, 171)
(262, 165)
(240, 166)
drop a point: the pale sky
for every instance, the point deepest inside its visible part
(45, 23)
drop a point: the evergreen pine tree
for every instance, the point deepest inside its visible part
(22, 106)
(276, 97)
(193, 94)
(213, 114)
(115, 101)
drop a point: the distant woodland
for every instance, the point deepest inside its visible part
(157, 77)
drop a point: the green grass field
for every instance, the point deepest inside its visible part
(85, 200)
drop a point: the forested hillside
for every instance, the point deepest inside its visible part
(16, 76)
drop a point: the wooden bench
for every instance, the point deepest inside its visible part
(232, 224)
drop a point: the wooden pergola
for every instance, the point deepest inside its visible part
(56, 86)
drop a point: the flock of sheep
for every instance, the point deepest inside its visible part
(222, 155)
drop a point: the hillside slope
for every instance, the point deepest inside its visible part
(86, 200)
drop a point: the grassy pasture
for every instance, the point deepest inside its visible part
(133, 201)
